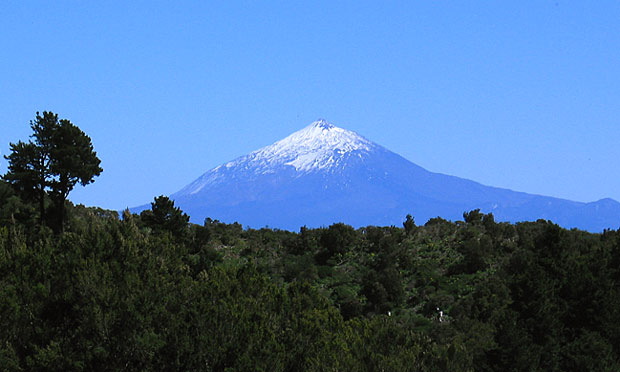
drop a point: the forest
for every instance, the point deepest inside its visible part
(154, 292)
(87, 289)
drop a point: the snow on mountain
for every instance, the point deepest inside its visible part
(318, 146)
(324, 174)
(321, 146)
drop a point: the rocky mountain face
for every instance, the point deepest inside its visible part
(324, 174)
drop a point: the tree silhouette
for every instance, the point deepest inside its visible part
(409, 224)
(58, 157)
(163, 215)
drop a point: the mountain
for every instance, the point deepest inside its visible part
(324, 174)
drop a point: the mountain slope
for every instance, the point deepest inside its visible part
(324, 174)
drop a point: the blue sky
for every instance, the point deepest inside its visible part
(522, 95)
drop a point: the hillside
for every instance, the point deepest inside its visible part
(152, 292)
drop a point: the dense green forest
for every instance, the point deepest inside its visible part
(84, 289)
(154, 292)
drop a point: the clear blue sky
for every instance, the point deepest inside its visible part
(517, 94)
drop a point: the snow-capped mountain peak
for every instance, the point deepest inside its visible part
(315, 147)
(321, 146)
(323, 124)
(323, 174)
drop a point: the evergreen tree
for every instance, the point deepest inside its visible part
(164, 216)
(58, 157)
(409, 224)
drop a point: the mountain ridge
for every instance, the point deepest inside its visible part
(323, 174)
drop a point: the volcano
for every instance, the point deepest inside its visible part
(324, 174)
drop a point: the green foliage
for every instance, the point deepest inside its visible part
(154, 292)
(409, 225)
(58, 157)
(164, 216)
(14, 210)
(335, 241)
